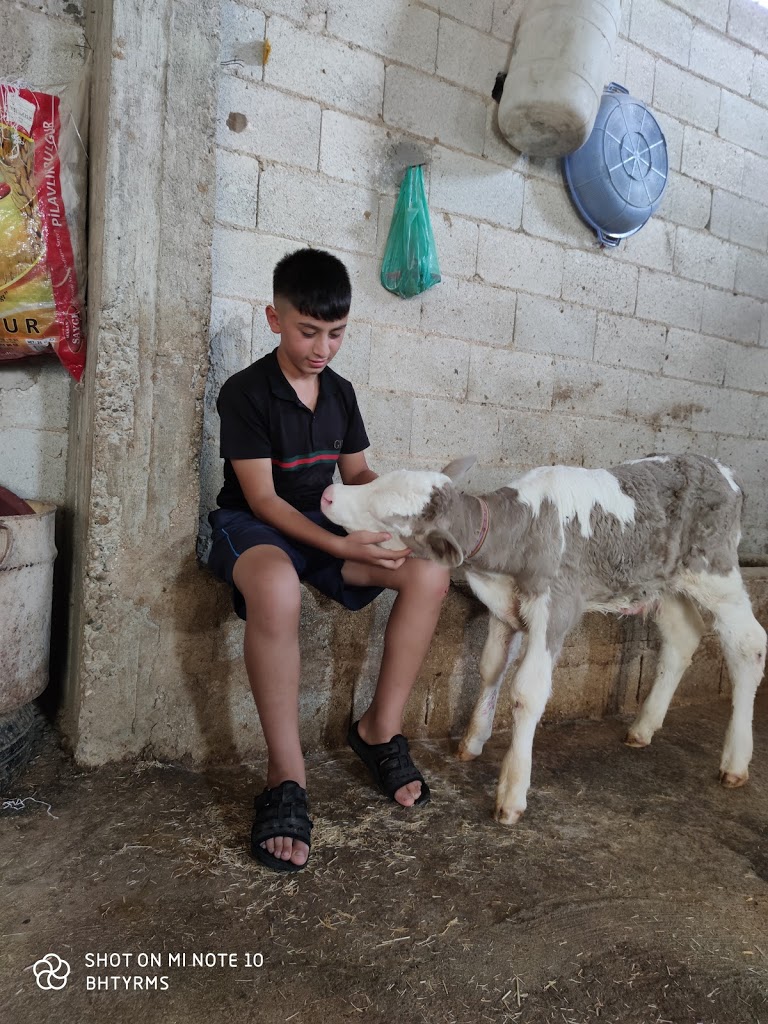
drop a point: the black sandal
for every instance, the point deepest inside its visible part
(281, 811)
(390, 764)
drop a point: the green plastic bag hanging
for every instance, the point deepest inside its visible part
(410, 259)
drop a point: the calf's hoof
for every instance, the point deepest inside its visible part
(508, 816)
(732, 781)
(469, 750)
(633, 739)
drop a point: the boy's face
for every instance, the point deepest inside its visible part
(307, 344)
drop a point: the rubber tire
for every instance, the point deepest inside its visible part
(20, 733)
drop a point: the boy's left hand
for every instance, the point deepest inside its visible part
(363, 546)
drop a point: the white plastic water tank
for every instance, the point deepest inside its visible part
(560, 62)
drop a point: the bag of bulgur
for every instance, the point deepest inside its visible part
(42, 244)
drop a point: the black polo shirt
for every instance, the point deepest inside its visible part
(262, 417)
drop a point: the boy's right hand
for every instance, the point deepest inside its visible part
(362, 546)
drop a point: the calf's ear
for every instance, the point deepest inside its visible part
(438, 546)
(459, 468)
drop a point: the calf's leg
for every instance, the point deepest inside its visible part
(530, 689)
(501, 649)
(744, 644)
(681, 628)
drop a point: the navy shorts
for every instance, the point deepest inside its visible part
(234, 531)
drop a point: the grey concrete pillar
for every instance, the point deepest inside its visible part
(136, 421)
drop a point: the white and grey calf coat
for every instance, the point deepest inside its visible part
(658, 535)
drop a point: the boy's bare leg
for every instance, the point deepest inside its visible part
(266, 578)
(421, 587)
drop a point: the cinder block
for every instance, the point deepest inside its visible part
(686, 201)
(515, 260)
(752, 274)
(744, 123)
(652, 247)
(324, 69)
(410, 362)
(368, 154)
(597, 280)
(740, 220)
(387, 420)
(475, 188)
(669, 300)
(711, 159)
(752, 185)
(267, 123)
(542, 438)
(748, 22)
(686, 96)
(354, 357)
(720, 59)
(511, 380)
(446, 430)
(470, 58)
(470, 309)
(736, 317)
(759, 90)
(243, 262)
(696, 357)
(456, 240)
(317, 210)
(237, 188)
(748, 368)
(242, 38)
(611, 443)
(640, 72)
(629, 342)
(658, 401)
(674, 132)
(506, 15)
(371, 301)
(678, 441)
(427, 106)
(554, 327)
(33, 463)
(548, 213)
(717, 410)
(714, 12)
(588, 389)
(479, 13)
(760, 423)
(406, 32)
(662, 29)
(702, 257)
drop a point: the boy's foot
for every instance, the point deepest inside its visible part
(391, 768)
(282, 822)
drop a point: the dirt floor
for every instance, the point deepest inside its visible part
(634, 891)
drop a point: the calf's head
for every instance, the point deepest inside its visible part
(418, 508)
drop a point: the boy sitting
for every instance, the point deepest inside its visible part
(286, 422)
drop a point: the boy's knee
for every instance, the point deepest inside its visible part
(267, 579)
(429, 578)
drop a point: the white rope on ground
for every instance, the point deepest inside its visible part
(17, 804)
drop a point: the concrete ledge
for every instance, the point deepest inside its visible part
(607, 667)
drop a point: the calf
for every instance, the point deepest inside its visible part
(657, 536)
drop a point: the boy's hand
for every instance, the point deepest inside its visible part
(362, 546)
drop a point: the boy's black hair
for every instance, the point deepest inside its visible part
(315, 283)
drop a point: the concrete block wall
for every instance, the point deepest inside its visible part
(41, 44)
(537, 347)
